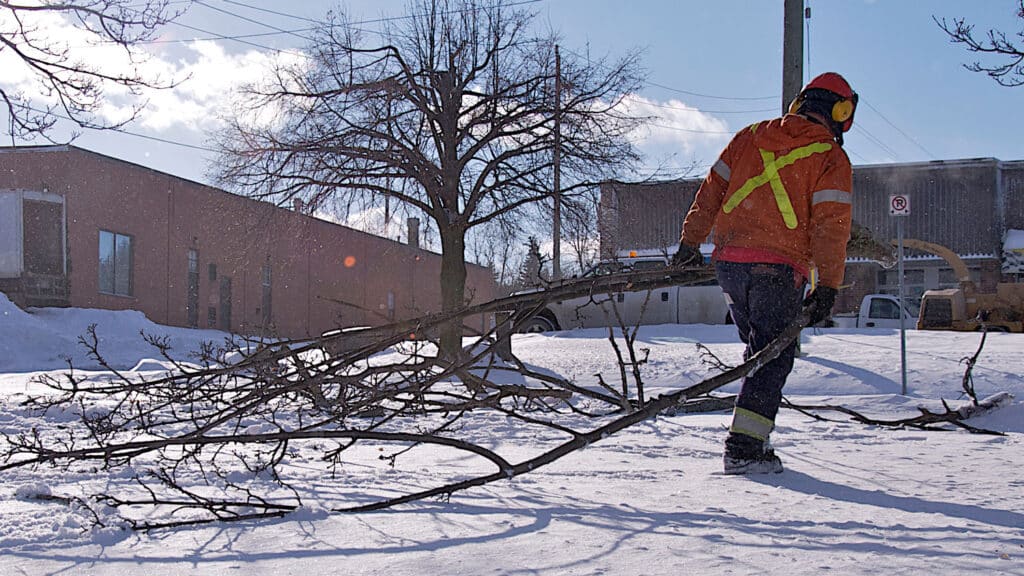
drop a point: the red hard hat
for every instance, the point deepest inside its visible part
(842, 111)
(833, 83)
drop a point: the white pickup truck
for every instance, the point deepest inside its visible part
(878, 311)
(704, 304)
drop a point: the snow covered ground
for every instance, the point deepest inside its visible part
(854, 499)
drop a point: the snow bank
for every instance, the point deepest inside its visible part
(44, 338)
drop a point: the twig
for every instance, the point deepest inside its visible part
(968, 379)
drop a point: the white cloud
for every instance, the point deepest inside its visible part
(212, 78)
(677, 136)
(49, 30)
(207, 75)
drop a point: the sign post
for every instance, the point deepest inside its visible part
(899, 207)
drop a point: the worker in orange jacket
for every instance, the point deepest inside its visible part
(779, 202)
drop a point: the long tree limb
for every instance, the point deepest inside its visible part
(650, 410)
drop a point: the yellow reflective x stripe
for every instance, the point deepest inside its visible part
(770, 176)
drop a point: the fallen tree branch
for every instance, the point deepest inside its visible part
(650, 410)
(926, 420)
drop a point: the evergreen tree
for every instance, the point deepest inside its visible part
(532, 272)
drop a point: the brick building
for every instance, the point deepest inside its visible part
(82, 229)
(970, 206)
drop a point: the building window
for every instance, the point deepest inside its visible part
(115, 263)
(225, 303)
(266, 308)
(913, 284)
(212, 271)
(948, 279)
(192, 295)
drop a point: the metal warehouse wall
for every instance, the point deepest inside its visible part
(1013, 191)
(646, 216)
(962, 204)
(953, 203)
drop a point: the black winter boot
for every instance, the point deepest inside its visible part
(748, 455)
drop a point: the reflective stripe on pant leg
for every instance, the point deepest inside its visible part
(751, 424)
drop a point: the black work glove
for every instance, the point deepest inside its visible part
(818, 304)
(687, 255)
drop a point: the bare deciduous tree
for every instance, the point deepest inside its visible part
(994, 42)
(450, 111)
(495, 246)
(69, 84)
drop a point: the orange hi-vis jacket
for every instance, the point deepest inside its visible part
(781, 188)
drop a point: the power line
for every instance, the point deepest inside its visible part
(250, 20)
(642, 100)
(274, 12)
(676, 128)
(877, 142)
(277, 31)
(859, 157)
(296, 32)
(408, 16)
(689, 93)
(679, 90)
(867, 134)
(219, 37)
(123, 131)
(163, 140)
(905, 135)
(385, 19)
(222, 37)
(370, 21)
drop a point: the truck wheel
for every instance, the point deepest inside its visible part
(537, 325)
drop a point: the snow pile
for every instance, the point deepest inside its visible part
(45, 338)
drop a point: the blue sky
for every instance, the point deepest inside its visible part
(714, 67)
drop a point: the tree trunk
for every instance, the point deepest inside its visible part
(453, 288)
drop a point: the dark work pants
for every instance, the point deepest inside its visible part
(764, 299)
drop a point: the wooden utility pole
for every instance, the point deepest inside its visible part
(792, 63)
(792, 51)
(556, 236)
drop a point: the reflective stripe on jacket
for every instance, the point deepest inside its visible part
(783, 186)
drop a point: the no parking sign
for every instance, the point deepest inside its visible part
(899, 205)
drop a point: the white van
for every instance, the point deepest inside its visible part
(703, 304)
